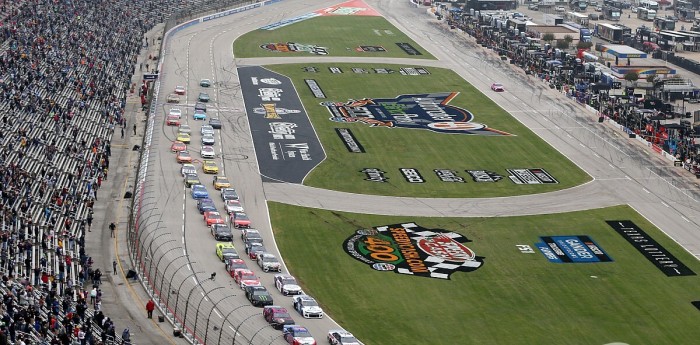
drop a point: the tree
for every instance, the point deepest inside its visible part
(584, 45)
(562, 44)
(548, 37)
(651, 78)
(631, 76)
(568, 39)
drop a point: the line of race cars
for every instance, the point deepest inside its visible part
(220, 226)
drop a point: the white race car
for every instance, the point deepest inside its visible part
(287, 285)
(307, 307)
(342, 337)
(268, 262)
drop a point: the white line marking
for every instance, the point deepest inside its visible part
(189, 267)
(217, 313)
(582, 145)
(612, 166)
(194, 280)
(646, 190)
(685, 219)
(595, 154)
(665, 204)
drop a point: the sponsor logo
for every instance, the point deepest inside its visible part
(291, 47)
(652, 250)
(571, 249)
(289, 21)
(315, 88)
(359, 70)
(419, 111)
(484, 176)
(335, 70)
(383, 70)
(411, 175)
(269, 94)
(525, 249)
(349, 140)
(371, 49)
(310, 69)
(446, 175)
(531, 176)
(282, 130)
(374, 175)
(271, 111)
(413, 71)
(349, 8)
(408, 49)
(268, 81)
(411, 249)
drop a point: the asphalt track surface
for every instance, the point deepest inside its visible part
(182, 250)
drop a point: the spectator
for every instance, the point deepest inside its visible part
(150, 306)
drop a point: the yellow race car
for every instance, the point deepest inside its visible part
(221, 182)
(183, 137)
(210, 167)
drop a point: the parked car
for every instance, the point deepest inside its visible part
(533, 7)
(560, 9)
(251, 235)
(245, 277)
(253, 249)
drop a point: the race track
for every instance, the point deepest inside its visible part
(182, 250)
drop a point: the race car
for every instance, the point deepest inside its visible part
(221, 182)
(172, 120)
(179, 90)
(287, 284)
(199, 115)
(297, 335)
(183, 137)
(199, 191)
(188, 169)
(204, 205)
(207, 152)
(221, 232)
(251, 235)
(184, 129)
(342, 337)
(205, 83)
(233, 206)
(225, 251)
(215, 123)
(253, 249)
(240, 220)
(268, 262)
(175, 112)
(258, 296)
(173, 98)
(191, 179)
(203, 97)
(233, 264)
(497, 87)
(210, 167)
(208, 139)
(213, 217)
(200, 106)
(229, 194)
(245, 277)
(277, 316)
(183, 157)
(178, 146)
(307, 307)
(206, 129)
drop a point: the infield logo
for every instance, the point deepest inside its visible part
(411, 249)
(291, 47)
(429, 111)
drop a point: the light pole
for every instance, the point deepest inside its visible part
(196, 317)
(209, 316)
(235, 333)
(226, 318)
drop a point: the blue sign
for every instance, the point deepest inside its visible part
(429, 111)
(572, 249)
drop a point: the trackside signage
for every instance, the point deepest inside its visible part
(411, 249)
(571, 249)
(652, 250)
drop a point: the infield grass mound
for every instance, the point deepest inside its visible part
(391, 149)
(339, 35)
(513, 298)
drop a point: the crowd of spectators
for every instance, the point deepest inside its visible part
(65, 70)
(644, 116)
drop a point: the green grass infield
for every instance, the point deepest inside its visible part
(513, 298)
(390, 149)
(378, 37)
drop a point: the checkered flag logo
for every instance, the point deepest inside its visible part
(411, 249)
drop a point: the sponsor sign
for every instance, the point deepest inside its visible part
(383, 70)
(291, 47)
(419, 111)
(531, 176)
(374, 175)
(359, 70)
(408, 49)
(150, 76)
(652, 250)
(232, 11)
(414, 71)
(411, 249)
(572, 249)
(335, 70)
(525, 249)
(310, 69)
(349, 8)
(371, 49)
(349, 140)
(315, 88)
(268, 81)
(411, 175)
(271, 111)
(447, 175)
(484, 176)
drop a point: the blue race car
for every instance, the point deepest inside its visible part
(204, 205)
(199, 192)
(200, 115)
